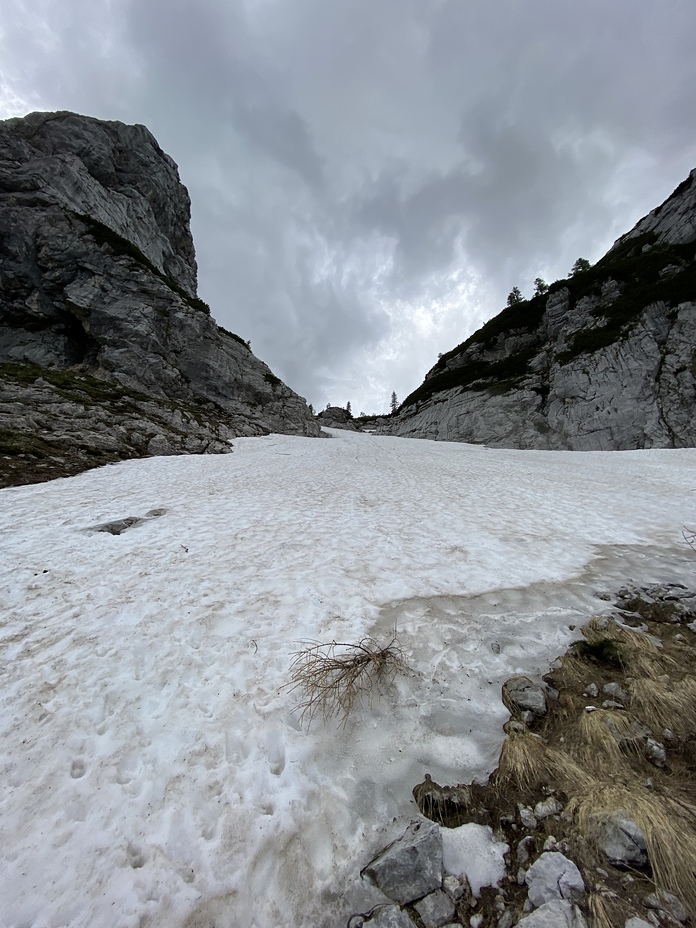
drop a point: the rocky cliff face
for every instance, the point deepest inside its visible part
(606, 360)
(106, 352)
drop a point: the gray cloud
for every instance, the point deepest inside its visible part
(370, 177)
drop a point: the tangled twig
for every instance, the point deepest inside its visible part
(333, 677)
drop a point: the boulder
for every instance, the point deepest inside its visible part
(663, 901)
(623, 842)
(553, 876)
(521, 695)
(410, 867)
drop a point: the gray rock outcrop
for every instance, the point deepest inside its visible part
(604, 361)
(334, 417)
(106, 351)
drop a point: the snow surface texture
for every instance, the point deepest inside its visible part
(154, 771)
(472, 851)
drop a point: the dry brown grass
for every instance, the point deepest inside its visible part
(663, 704)
(527, 762)
(668, 824)
(606, 911)
(603, 739)
(523, 761)
(335, 677)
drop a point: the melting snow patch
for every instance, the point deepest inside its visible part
(472, 851)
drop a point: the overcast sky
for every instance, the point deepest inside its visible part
(370, 178)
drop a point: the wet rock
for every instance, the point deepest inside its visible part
(669, 603)
(410, 867)
(435, 909)
(623, 842)
(553, 876)
(667, 902)
(555, 914)
(520, 694)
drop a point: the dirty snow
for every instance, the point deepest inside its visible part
(154, 770)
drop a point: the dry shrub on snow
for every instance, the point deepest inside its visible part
(334, 677)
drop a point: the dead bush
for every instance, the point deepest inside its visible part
(334, 677)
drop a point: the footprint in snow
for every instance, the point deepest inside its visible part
(77, 769)
(135, 856)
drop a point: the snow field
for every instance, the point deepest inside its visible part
(154, 769)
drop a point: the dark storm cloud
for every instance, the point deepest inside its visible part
(370, 177)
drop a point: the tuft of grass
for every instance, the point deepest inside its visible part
(524, 761)
(668, 824)
(664, 704)
(606, 910)
(606, 736)
(333, 678)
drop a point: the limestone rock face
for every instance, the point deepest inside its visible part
(333, 417)
(604, 361)
(98, 281)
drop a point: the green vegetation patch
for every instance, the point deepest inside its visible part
(477, 375)
(73, 385)
(272, 379)
(638, 275)
(525, 316)
(237, 338)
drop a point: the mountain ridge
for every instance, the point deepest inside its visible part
(603, 360)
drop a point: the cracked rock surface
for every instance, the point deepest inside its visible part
(106, 351)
